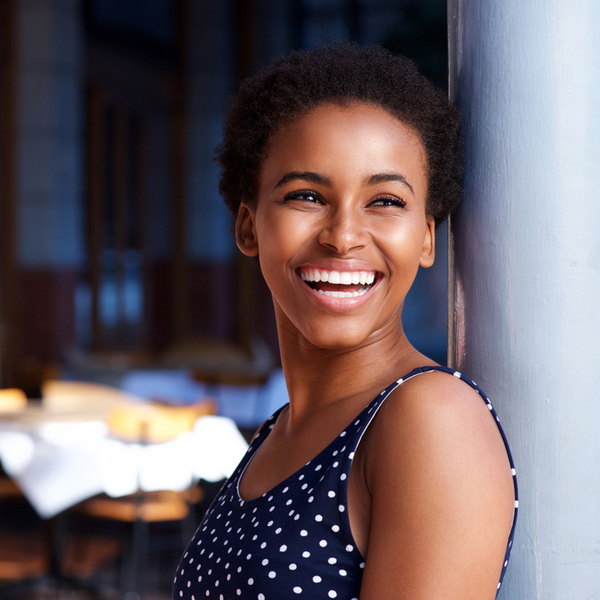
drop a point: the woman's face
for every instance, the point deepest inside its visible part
(340, 224)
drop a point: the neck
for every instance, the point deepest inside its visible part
(321, 379)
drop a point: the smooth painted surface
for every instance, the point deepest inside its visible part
(527, 269)
(50, 133)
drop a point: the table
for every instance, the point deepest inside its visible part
(58, 460)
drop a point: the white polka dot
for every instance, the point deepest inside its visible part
(238, 592)
(336, 464)
(180, 592)
(343, 572)
(288, 502)
(323, 543)
(331, 494)
(278, 530)
(317, 579)
(341, 508)
(304, 533)
(301, 478)
(318, 518)
(248, 556)
(513, 471)
(304, 486)
(265, 562)
(306, 554)
(297, 590)
(189, 583)
(342, 434)
(349, 548)
(351, 455)
(293, 566)
(283, 548)
(516, 504)
(272, 574)
(318, 467)
(263, 545)
(285, 489)
(332, 560)
(250, 581)
(343, 476)
(296, 517)
(261, 597)
(335, 528)
(332, 594)
(311, 498)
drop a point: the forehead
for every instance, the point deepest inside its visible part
(345, 139)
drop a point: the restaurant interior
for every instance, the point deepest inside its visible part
(138, 348)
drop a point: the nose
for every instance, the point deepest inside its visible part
(343, 231)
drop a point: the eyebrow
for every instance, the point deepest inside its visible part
(306, 176)
(385, 177)
(371, 180)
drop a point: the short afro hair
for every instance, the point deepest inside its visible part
(339, 73)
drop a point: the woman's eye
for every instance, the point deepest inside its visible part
(305, 196)
(388, 201)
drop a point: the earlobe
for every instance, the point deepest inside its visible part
(428, 250)
(245, 234)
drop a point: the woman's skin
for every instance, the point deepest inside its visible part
(343, 189)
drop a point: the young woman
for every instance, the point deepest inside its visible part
(387, 476)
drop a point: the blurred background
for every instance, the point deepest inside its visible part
(117, 265)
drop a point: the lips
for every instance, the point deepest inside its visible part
(338, 284)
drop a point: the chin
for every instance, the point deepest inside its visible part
(336, 339)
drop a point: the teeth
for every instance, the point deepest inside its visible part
(343, 294)
(338, 277)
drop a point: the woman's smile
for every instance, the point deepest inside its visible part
(340, 226)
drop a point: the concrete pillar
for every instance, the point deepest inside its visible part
(50, 140)
(50, 151)
(526, 265)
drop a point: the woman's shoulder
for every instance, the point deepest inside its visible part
(439, 409)
(440, 481)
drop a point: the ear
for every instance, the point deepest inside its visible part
(245, 233)
(428, 250)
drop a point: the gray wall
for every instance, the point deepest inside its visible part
(526, 291)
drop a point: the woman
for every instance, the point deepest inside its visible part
(373, 483)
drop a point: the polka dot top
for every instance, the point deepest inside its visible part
(295, 540)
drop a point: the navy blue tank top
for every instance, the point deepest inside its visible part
(294, 540)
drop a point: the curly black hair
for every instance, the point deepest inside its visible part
(339, 73)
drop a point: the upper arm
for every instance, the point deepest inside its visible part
(442, 495)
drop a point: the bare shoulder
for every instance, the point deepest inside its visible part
(437, 409)
(442, 494)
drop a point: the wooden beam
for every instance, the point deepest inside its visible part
(96, 193)
(9, 281)
(180, 289)
(120, 206)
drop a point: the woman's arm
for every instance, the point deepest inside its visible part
(442, 495)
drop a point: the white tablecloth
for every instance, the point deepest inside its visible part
(59, 464)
